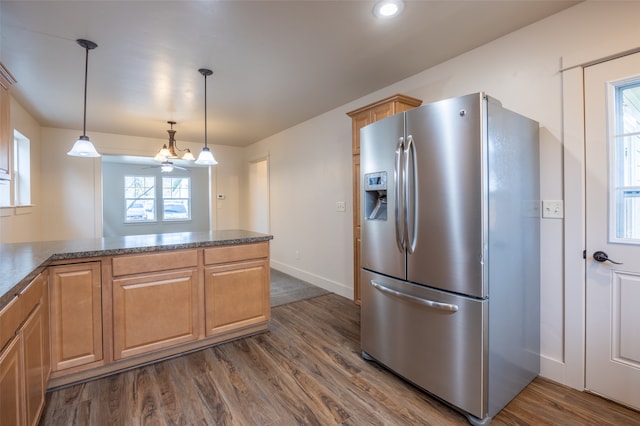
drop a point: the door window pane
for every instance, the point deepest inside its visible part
(139, 199)
(626, 165)
(176, 198)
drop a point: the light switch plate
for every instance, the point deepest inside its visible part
(341, 206)
(552, 209)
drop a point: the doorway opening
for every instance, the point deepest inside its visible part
(258, 210)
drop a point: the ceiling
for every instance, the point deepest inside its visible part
(275, 63)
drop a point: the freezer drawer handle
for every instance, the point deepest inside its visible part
(425, 302)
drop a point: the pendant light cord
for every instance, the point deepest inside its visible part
(205, 110)
(86, 71)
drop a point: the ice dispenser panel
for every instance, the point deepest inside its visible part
(375, 196)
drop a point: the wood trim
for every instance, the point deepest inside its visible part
(412, 102)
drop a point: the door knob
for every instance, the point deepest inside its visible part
(601, 256)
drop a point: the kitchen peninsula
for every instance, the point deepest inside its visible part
(73, 310)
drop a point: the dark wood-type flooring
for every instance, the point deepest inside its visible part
(307, 370)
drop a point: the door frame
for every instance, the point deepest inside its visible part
(267, 178)
(571, 369)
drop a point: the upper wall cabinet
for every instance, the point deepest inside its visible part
(6, 80)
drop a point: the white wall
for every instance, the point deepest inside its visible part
(23, 224)
(72, 186)
(309, 170)
(311, 162)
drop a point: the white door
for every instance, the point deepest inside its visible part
(612, 121)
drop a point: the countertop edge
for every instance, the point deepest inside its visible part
(38, 266)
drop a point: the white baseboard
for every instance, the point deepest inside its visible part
(329, 285)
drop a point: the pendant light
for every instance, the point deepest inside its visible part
(205, 157)
(83, 146)
(165, 153)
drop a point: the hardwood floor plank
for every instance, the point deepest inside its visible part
(306, 370)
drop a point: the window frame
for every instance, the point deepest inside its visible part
(184, 199)
(128, 201)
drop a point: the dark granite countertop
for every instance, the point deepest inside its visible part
(21, 262)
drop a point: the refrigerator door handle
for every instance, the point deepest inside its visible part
(411, 200)
(448, 307)
(399, 190)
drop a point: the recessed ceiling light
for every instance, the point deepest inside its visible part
(388, 8)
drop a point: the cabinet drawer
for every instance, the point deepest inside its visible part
(141, 263)
(31, 296)
(10, 319)
(225, 254)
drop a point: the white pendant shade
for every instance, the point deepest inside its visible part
(83, 148)
(188, 156)
(206, 157)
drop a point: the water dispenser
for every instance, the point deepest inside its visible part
(375, 196)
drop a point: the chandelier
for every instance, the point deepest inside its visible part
(170, 152)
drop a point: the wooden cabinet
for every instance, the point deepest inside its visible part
(360, 118)
(34, 356)
(76, 315)
(11, 388)
(6, 136)
(126, 310)
(35, 341)
(236, 287)
(24, 361)
(152, 311)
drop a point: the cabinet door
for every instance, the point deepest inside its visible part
(76, 315)
(34, 364)
(358, 122)
(154, 311)
(236, 296)
(11, 397)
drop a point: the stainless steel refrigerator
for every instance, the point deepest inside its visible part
(450, 295)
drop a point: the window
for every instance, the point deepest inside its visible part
(139, 199)
(627, 162)
(21, 169)
(176, 198)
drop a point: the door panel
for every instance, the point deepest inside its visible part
(449, 150)
(440, 348)
(613, 226)
(154, 311)
(380, 251)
